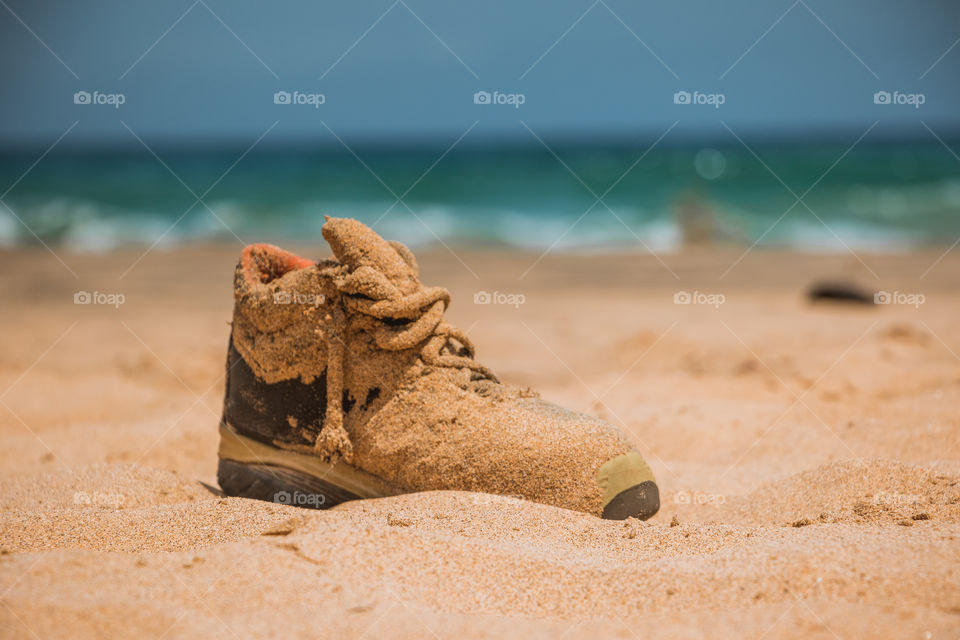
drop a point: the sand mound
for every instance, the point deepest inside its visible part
(113, 507)
(449, 552)
(858, 491)
(103, 486)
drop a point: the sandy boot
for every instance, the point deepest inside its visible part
(344, 381)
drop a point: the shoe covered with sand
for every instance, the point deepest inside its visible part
(344, 381)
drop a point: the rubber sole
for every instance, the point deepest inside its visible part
(280, 485)
(251, 469)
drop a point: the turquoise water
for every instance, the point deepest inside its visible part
(880, 197)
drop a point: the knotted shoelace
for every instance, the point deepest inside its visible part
(367, 293)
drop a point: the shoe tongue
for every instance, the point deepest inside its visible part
(356, 245)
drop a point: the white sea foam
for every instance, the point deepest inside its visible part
(88, 226)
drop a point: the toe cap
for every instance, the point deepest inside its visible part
(628, 488)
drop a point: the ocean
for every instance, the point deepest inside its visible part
(879, 197)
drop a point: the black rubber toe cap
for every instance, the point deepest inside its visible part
(639, 501)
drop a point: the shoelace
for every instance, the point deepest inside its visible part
(367, 292)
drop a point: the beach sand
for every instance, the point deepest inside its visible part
(808, 457)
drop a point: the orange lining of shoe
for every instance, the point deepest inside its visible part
(263, 263)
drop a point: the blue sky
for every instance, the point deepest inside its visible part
(206, 71)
